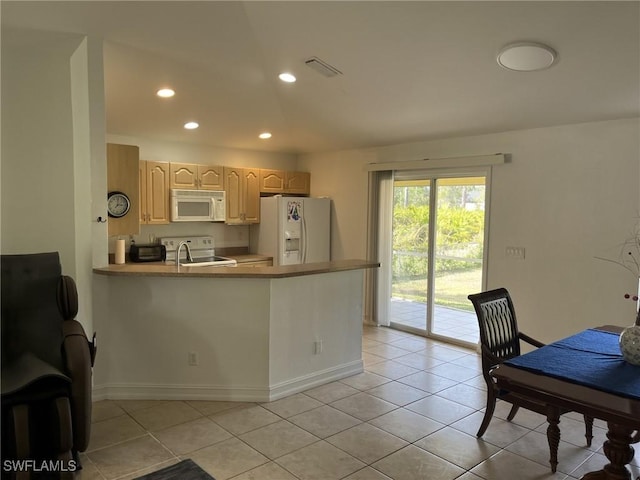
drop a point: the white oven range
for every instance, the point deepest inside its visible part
(202, 252)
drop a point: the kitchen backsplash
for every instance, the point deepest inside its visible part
(225, 236)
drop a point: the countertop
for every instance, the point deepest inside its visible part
(249, 257)
(161, 269)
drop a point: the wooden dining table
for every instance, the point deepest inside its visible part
(583, 373)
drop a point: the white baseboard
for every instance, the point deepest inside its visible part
(315, 379)
(138, 391)
(233, 393)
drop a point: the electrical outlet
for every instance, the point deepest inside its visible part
(193, 359)
(317, 347)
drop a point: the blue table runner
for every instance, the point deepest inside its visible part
(591, 358)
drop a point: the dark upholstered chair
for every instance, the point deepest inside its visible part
(46, 366)
(500, 341)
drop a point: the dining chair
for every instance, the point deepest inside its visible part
(500, 341)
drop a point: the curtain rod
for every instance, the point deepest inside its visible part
(467, 161)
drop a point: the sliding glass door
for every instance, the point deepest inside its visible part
(438, 232)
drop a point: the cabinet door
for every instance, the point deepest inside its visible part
(122, 176)
(298, 182)
(272, 181)
(183, 175)
(251, 184)
(142, 176)
(210, 177)
(233, 189)
(158, 193)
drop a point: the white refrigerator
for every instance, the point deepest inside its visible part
(293, 230)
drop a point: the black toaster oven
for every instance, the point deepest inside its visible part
(147, 253)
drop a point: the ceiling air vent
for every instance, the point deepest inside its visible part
(322, 67)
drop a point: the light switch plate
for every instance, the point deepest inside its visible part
(515, 252)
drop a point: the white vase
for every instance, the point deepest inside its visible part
(630, 342)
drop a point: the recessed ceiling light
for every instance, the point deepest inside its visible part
(165, 93)
(265, 135)
(287, 77)
(191, 125)
(526, 57)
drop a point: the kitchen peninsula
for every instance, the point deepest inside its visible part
(227, 333)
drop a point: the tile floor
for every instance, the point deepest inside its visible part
(411, 415)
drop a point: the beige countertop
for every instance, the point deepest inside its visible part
(161, 269)
(249, 257)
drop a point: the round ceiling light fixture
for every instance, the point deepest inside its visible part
(526, 57)
(265, 135)
(191, 125)
(287, 77)
(165, 93)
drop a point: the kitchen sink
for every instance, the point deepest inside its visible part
(209, 262)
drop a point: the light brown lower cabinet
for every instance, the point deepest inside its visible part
(258, 263)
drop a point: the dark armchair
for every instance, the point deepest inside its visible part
(46, 367)
(500, 341)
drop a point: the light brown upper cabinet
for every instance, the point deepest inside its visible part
(298, 182)
(272, 181)
(243, 195)
(196, 177)
(154, 193)
(122, 176)
(281, 181)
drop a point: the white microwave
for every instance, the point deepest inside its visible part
(197, 206)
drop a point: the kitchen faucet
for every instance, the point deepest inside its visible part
(189, 257)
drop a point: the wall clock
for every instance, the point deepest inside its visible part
(118, 204)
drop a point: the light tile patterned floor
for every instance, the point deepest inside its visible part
(412, 414)
(449, 322)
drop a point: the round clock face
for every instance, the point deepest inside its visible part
(118, 204)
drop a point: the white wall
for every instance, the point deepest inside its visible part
(89, 160)
(160, 151)
(568, 194)
(149, 324)
(37, 150)
(254, 337)
(301, 315)
(47, 150)
(340, 176)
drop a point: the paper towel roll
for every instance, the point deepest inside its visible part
(119, 252)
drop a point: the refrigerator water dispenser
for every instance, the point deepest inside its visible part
(292, 245)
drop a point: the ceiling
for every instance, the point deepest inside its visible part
(410, 70)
